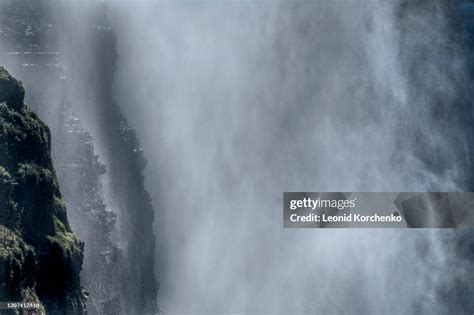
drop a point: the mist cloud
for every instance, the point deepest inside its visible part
(236, 102)
(240, 101)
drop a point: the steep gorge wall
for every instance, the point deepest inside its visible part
(68, 75)
(90, 62)
(40, 257)
(28, 46)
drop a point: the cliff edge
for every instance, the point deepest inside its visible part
(40, 257)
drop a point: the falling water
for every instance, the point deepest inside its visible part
(236, 102)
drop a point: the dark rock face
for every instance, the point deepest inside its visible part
(27, 47)
(113, 219)
(40, 257)
(122, 155)
(80, 168)
(12, 91)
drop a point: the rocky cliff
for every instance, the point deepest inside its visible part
(79, 167)
(40, 257)
(97, 155)
(122, 155)
(27, 46)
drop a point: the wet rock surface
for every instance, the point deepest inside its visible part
(40, 256)
(114, 222)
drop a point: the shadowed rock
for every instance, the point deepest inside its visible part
(11, 90)
(40, 257)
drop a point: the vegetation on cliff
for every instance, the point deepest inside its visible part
(40, 257)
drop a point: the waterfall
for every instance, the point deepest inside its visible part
(218, 107)
(237, 102)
